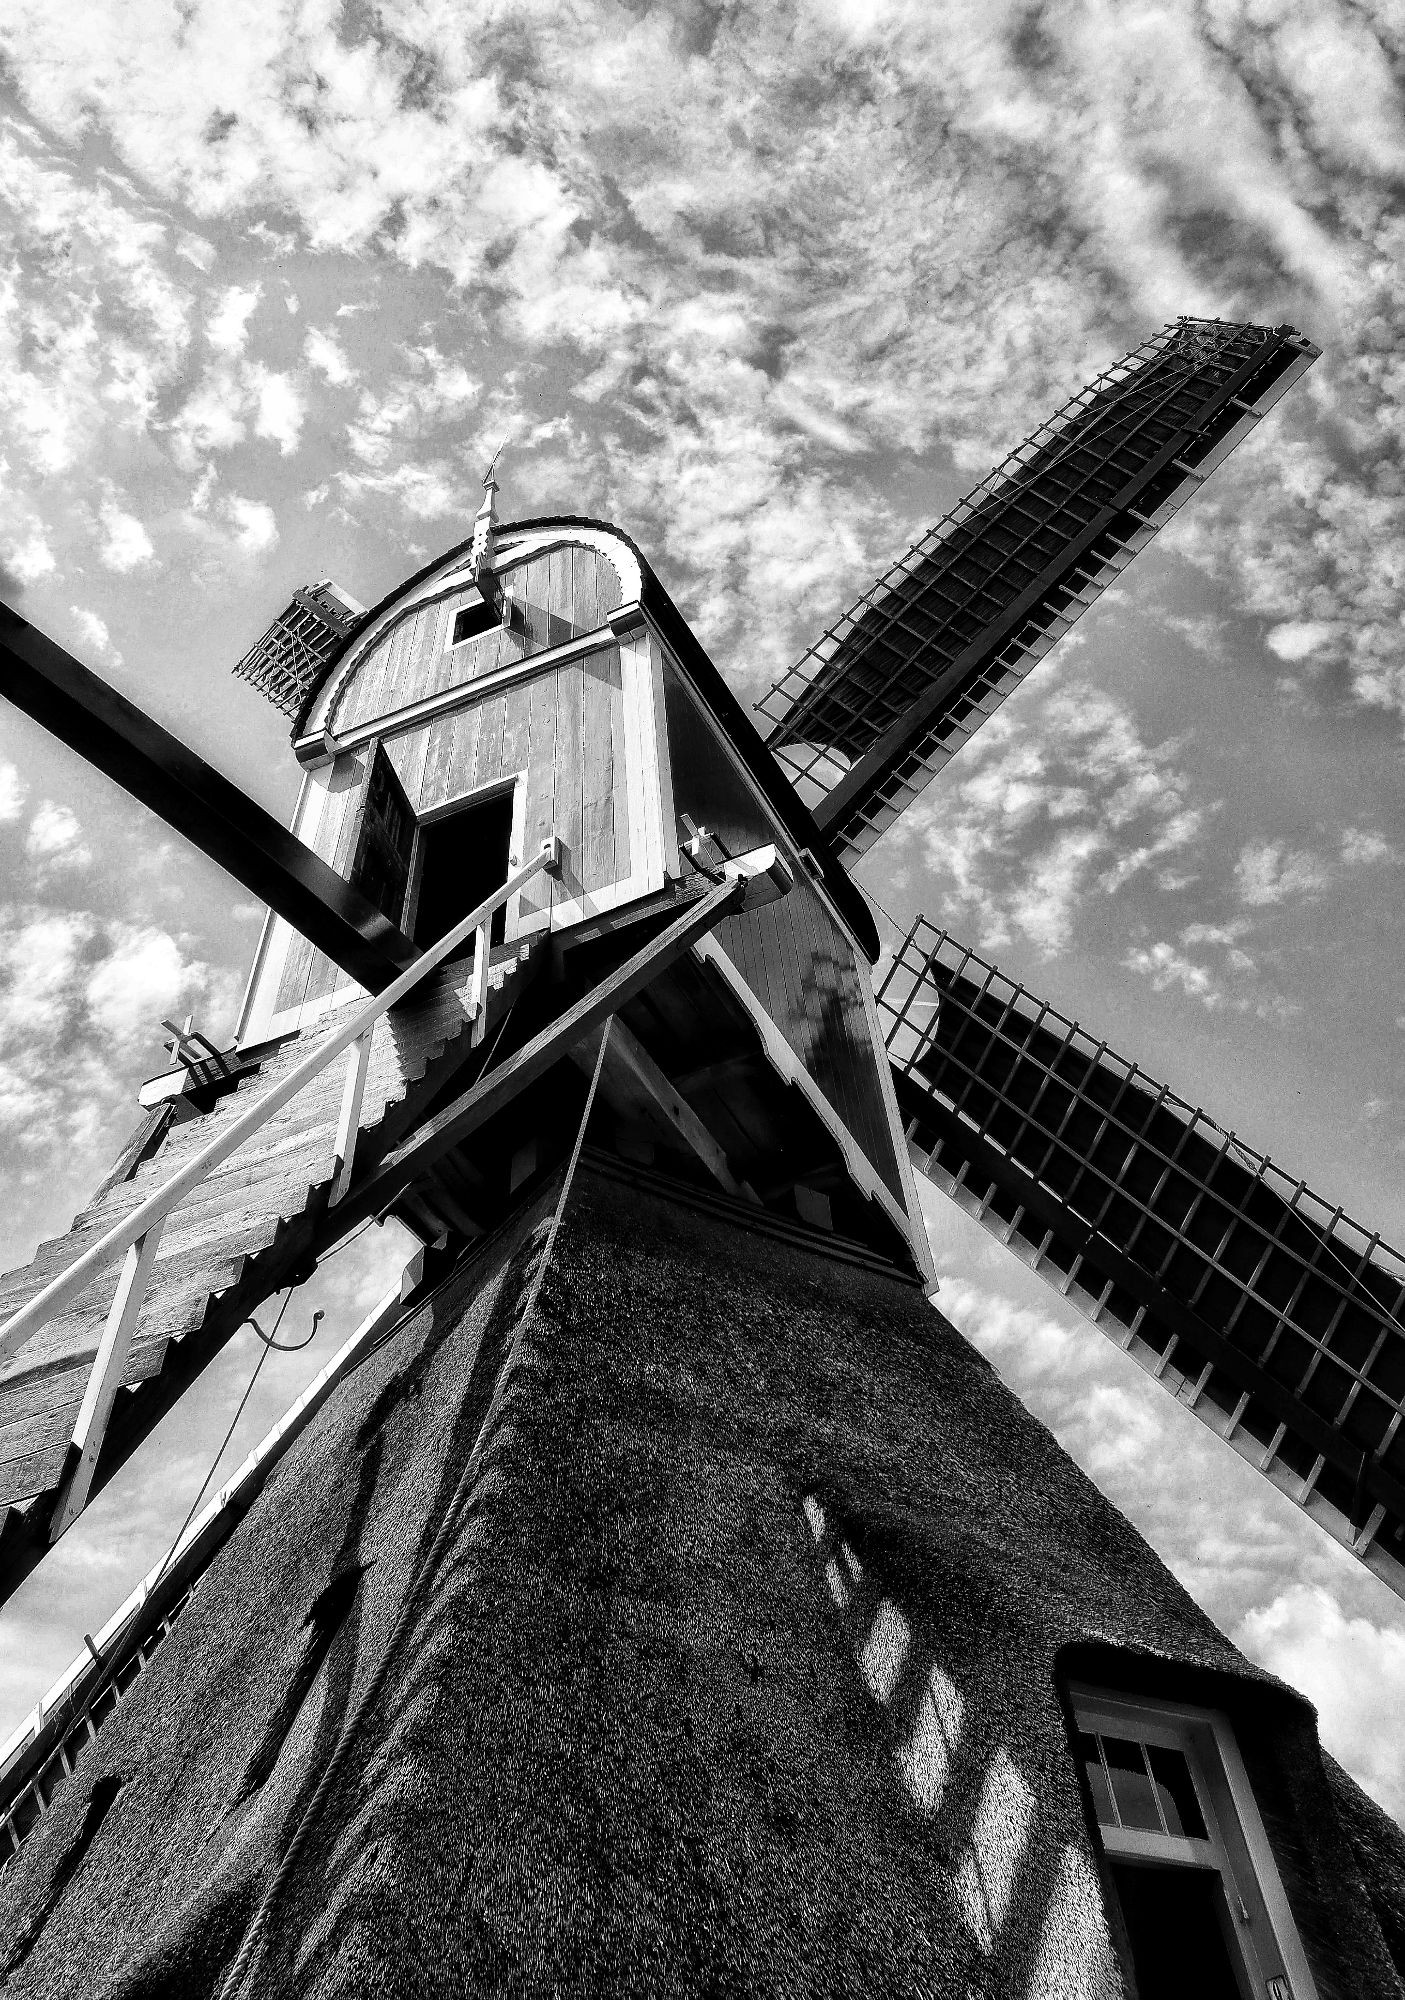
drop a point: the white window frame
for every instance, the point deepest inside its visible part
(1273, 1965)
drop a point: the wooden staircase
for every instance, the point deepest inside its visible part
(257, 1223)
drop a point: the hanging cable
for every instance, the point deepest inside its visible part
(258, 1926)
(869, 896)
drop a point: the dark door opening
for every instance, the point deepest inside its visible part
(463, 858)
(1176, 1920)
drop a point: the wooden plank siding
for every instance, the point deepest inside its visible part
(792, 954)
(556, 596)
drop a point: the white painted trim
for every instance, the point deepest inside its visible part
(1261, 1859)
(783, 1058)
(463, 694)
(276, 937)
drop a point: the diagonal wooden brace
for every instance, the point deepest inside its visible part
(349, 1120)
(440, 1134)
(629, 1054)
(104, 1380)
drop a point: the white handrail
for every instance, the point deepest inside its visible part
(62, 1290)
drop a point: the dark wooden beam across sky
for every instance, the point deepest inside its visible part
(110, 732)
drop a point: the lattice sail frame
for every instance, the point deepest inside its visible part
(1263, 1308)
(959, 621)
(288, 662)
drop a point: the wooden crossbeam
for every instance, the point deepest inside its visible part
(386, 1183)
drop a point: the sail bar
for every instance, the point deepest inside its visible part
(880, 704)
(1259, 1305)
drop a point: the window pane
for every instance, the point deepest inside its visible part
(1131, 1785)
(1176, 1792)
(1097, 1778)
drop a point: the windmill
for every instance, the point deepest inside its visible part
(653, 1593)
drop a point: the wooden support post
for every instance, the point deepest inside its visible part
(478, 992)
(104, 1381)
(349, 1122)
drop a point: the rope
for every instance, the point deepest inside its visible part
(270, 1345)
(258, 1926)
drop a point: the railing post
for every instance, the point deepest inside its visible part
(349, 1119)
(478, 991)
(104, 1380)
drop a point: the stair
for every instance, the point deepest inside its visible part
(258, 1220)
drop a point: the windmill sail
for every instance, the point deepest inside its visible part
(882, 702)
(1259, 1305)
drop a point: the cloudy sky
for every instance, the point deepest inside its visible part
(770, 287)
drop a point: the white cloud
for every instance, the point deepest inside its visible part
(426, 491)
(12, 793)
(227, 328)
(1268, 872)
(1298, 641)
(94, 635)
(325, 354)
(196, 250)
(144, 978)
(280, 408)
(1165, 967)
(28, 557)
(1350, 1668)
(255, 524)
(230, 522)
(55, 838)
(1361, 846)
(1048, 808)
(126, 544)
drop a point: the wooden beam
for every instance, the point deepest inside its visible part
(629, 1052)
(199, 802)
(104, 1381)
(492, 1093)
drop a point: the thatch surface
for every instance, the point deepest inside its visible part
(593, 1720)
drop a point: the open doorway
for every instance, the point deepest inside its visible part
(463, 857)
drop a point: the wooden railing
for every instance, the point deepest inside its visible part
(135, 1238)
